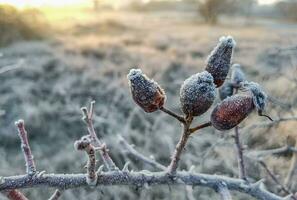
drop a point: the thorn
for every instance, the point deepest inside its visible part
(40, 174)
(2, 180)
(126, 167)
(259, 183)
(192, 168)
(100, 169)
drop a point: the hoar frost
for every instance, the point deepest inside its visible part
(219, 61)
(197, 93)
(146, 92)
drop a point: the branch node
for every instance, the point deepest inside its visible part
(84, 144)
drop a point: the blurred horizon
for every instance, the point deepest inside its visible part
(85, 3)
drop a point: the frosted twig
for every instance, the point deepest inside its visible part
(67, 181)
(30, 165)
(293, 169)
(84, 144)
(140, 156)
(180, 147)
(269, 123)
(201, 126)
(15, 195)
(239, 149)
(224, 192)
(263, 153)
(87, 117)
(275, 179)
(178, 117)
(57, 194)
(11, 67)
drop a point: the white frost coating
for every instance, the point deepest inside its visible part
(259, 96)
(219, 60)
(197, 93)
(146, 92)
(228, 40)
(134, 73)
(237, 75)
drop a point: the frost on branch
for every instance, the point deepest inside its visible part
(197, 94)
(219, 61)
(84, 144)
(146, 92)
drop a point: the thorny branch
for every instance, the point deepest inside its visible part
(239, 149)
(88, 118)
(275, 179)
(84, 144)
(180, 147)
(67, 181)
(224, 192)
(139, 156)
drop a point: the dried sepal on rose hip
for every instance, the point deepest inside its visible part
(237, 76)
(219, 61)
(145, 92)
(231, 111)
(226, 90)
(259, 97)
(197, 94)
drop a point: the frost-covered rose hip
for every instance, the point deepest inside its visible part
(197, 94)
(219, 61)
(145, 92)
(231, 111)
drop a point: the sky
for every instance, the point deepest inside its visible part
(38, 3)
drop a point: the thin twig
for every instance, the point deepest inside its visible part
(269, 123)
(179, 147)
(67, 181)
(139, 156)
(84, 144)
(15, 195)
(57, 194)
(178, 117)
(224, 192)
(239, 149)
(87, 117)
(275, 179)
(30, 165)
(11, 67)
(201, 126)
(263, 153)
(292, 170)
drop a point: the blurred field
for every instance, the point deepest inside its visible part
(88, 56)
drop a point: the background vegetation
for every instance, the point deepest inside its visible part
(88, 56)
